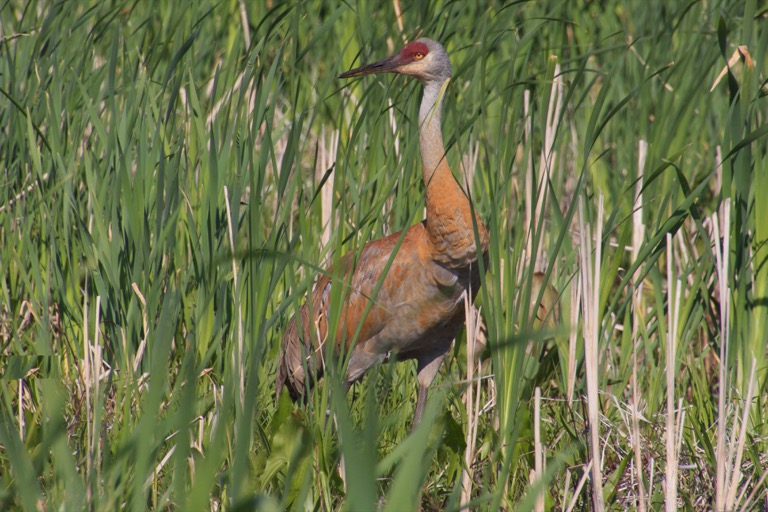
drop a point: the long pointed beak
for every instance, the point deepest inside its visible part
(388, 65)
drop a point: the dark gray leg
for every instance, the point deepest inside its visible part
(426, 372)
(421, 401)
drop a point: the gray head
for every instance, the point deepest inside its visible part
(423, 58)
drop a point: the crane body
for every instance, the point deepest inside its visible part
(419, 307)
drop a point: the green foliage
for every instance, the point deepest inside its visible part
(162, 216)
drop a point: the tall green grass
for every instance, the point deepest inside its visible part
(176, 175)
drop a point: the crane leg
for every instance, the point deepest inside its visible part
(426, 372)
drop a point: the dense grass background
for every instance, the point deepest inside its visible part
(174, 175)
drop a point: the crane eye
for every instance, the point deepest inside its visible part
(418, 55)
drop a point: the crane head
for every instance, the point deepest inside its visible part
(423, 58)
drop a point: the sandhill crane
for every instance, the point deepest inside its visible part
(419, 308)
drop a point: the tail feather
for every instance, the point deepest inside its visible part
(301, 359)
(298, 367)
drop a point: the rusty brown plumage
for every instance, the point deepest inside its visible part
(419, 308)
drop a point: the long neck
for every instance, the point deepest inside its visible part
(449, 216)
(431, 135)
